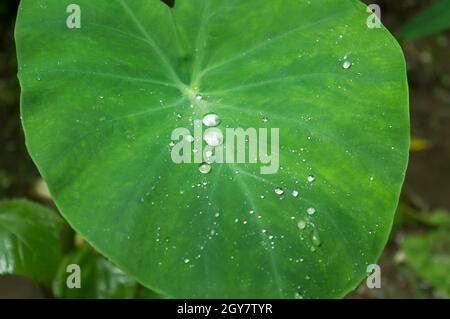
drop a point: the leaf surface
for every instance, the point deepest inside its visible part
(99, 105)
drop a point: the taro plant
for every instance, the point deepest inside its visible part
(105, 83)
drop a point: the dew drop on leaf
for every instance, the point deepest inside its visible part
(346, 65)
(211, 119)
(311, 211)
(279, 191)
(301, 224)
(204, 168)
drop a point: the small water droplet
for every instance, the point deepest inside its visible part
(298, 296)
(311, 178)
(346, 65)
(265, 119)
(204, 168)
(189, 138)
(315, 238)
(279, 191)
(186, 261)
(295, 193)
(199, 97)
(301, 224)
(251, 212)
(311, 211)
(211, 119)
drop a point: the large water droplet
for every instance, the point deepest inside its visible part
(211, 119)
(204, 168)
(279, 191)
(346, 65)
(213, 137)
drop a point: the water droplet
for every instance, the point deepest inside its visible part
(213, 137)
(172, 144)
(211, 119)
(301, 224)
(265, 119)
(204, 168)
(186, 261)
(311, 178)
(315, 238)
(346, 65)
(244, 222)
(311, 211)
(270, 237)
(295, 193)
(279, 191)
(252, 212)
(189, 138)
(199, 97)
(298, 296)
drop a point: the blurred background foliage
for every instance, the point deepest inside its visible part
(415, 263)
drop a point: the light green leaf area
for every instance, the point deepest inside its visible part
(99, 105)
(29, 240)
(428, 255)
(432, 19)
(99, 278)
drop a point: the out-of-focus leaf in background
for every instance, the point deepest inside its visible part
(427, 255)
(99, 277)
(435, 18)
(29, 240)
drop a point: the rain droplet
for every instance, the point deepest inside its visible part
(189, 138)
(295, 193)
(311, 211)
(211, 119)
(279, 191)
(265, 119)
(298, 296)
(199, 97)
(315, 238)
(213, 137)
(311, 178)
(186, 261)
(204, 168)
(301, 224)
(346, 65)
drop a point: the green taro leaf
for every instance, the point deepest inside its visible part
(29, 240)
(99, 277)
(99, 105)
